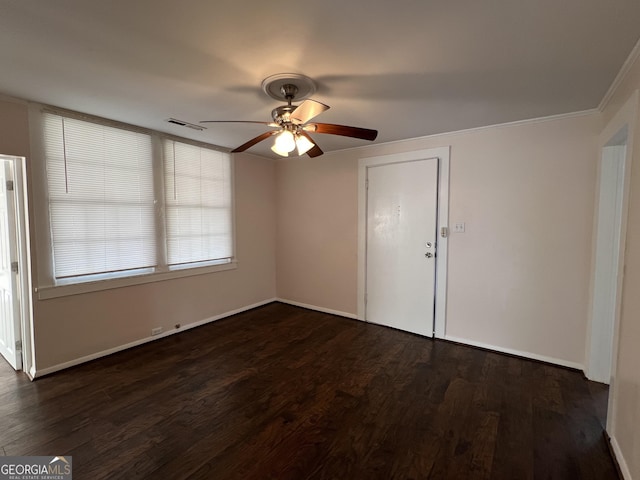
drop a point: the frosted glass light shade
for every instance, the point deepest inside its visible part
(275, 149)
(303, 144)
(285, 142)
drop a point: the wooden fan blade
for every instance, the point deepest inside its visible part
(253, 141)
(307, 110)
(269, 124)
(314, 151)
(345, 131)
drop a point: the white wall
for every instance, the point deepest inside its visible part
(317, 213)
(519, 276)
(69, 328)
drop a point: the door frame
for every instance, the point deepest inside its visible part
(24, 261)
(442, 154)
(608, 241)
(625, 118)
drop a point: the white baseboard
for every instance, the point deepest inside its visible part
(624, 468)
(36, 373)
(319, 309)
(533, 356)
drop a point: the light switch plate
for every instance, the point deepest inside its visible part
(458, 227)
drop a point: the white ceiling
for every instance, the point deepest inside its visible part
(406, 68)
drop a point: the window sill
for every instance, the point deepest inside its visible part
(54, 291)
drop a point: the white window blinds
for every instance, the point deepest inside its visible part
(198, 206)
(101, 197)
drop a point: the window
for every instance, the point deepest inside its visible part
(197, 204)
(107, 187)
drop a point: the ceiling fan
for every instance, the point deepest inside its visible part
(292, 123)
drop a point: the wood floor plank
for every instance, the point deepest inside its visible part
(280, 392)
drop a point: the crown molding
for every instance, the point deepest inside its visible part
(10, 99)
(515, 123)
(624, 70)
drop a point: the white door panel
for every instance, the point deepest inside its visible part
(401, 245)
(9, 308)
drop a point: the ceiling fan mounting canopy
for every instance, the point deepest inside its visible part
(282, 84)
(289, 91)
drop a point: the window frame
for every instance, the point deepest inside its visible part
(47, 285)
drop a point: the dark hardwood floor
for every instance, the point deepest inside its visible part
(280, 392)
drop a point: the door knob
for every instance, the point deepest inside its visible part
(428, 254)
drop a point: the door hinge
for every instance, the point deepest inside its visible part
(366, 184)
(14, 267)
(10, 185)
(18, 345)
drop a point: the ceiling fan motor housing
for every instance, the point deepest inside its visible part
(282, 115)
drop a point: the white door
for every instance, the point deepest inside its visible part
(401, 245)
(9, 307)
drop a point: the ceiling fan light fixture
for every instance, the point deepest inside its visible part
(274, 148)
(285, 143)
(303, 144)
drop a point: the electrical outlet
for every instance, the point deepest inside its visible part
(156, 331)
(458, 227)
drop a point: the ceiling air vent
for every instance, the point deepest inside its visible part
(182, 123)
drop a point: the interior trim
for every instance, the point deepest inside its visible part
(619, 458)
(515, 123)
(54, 291)
(517, 353)
(318, 309)
(622, 73)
